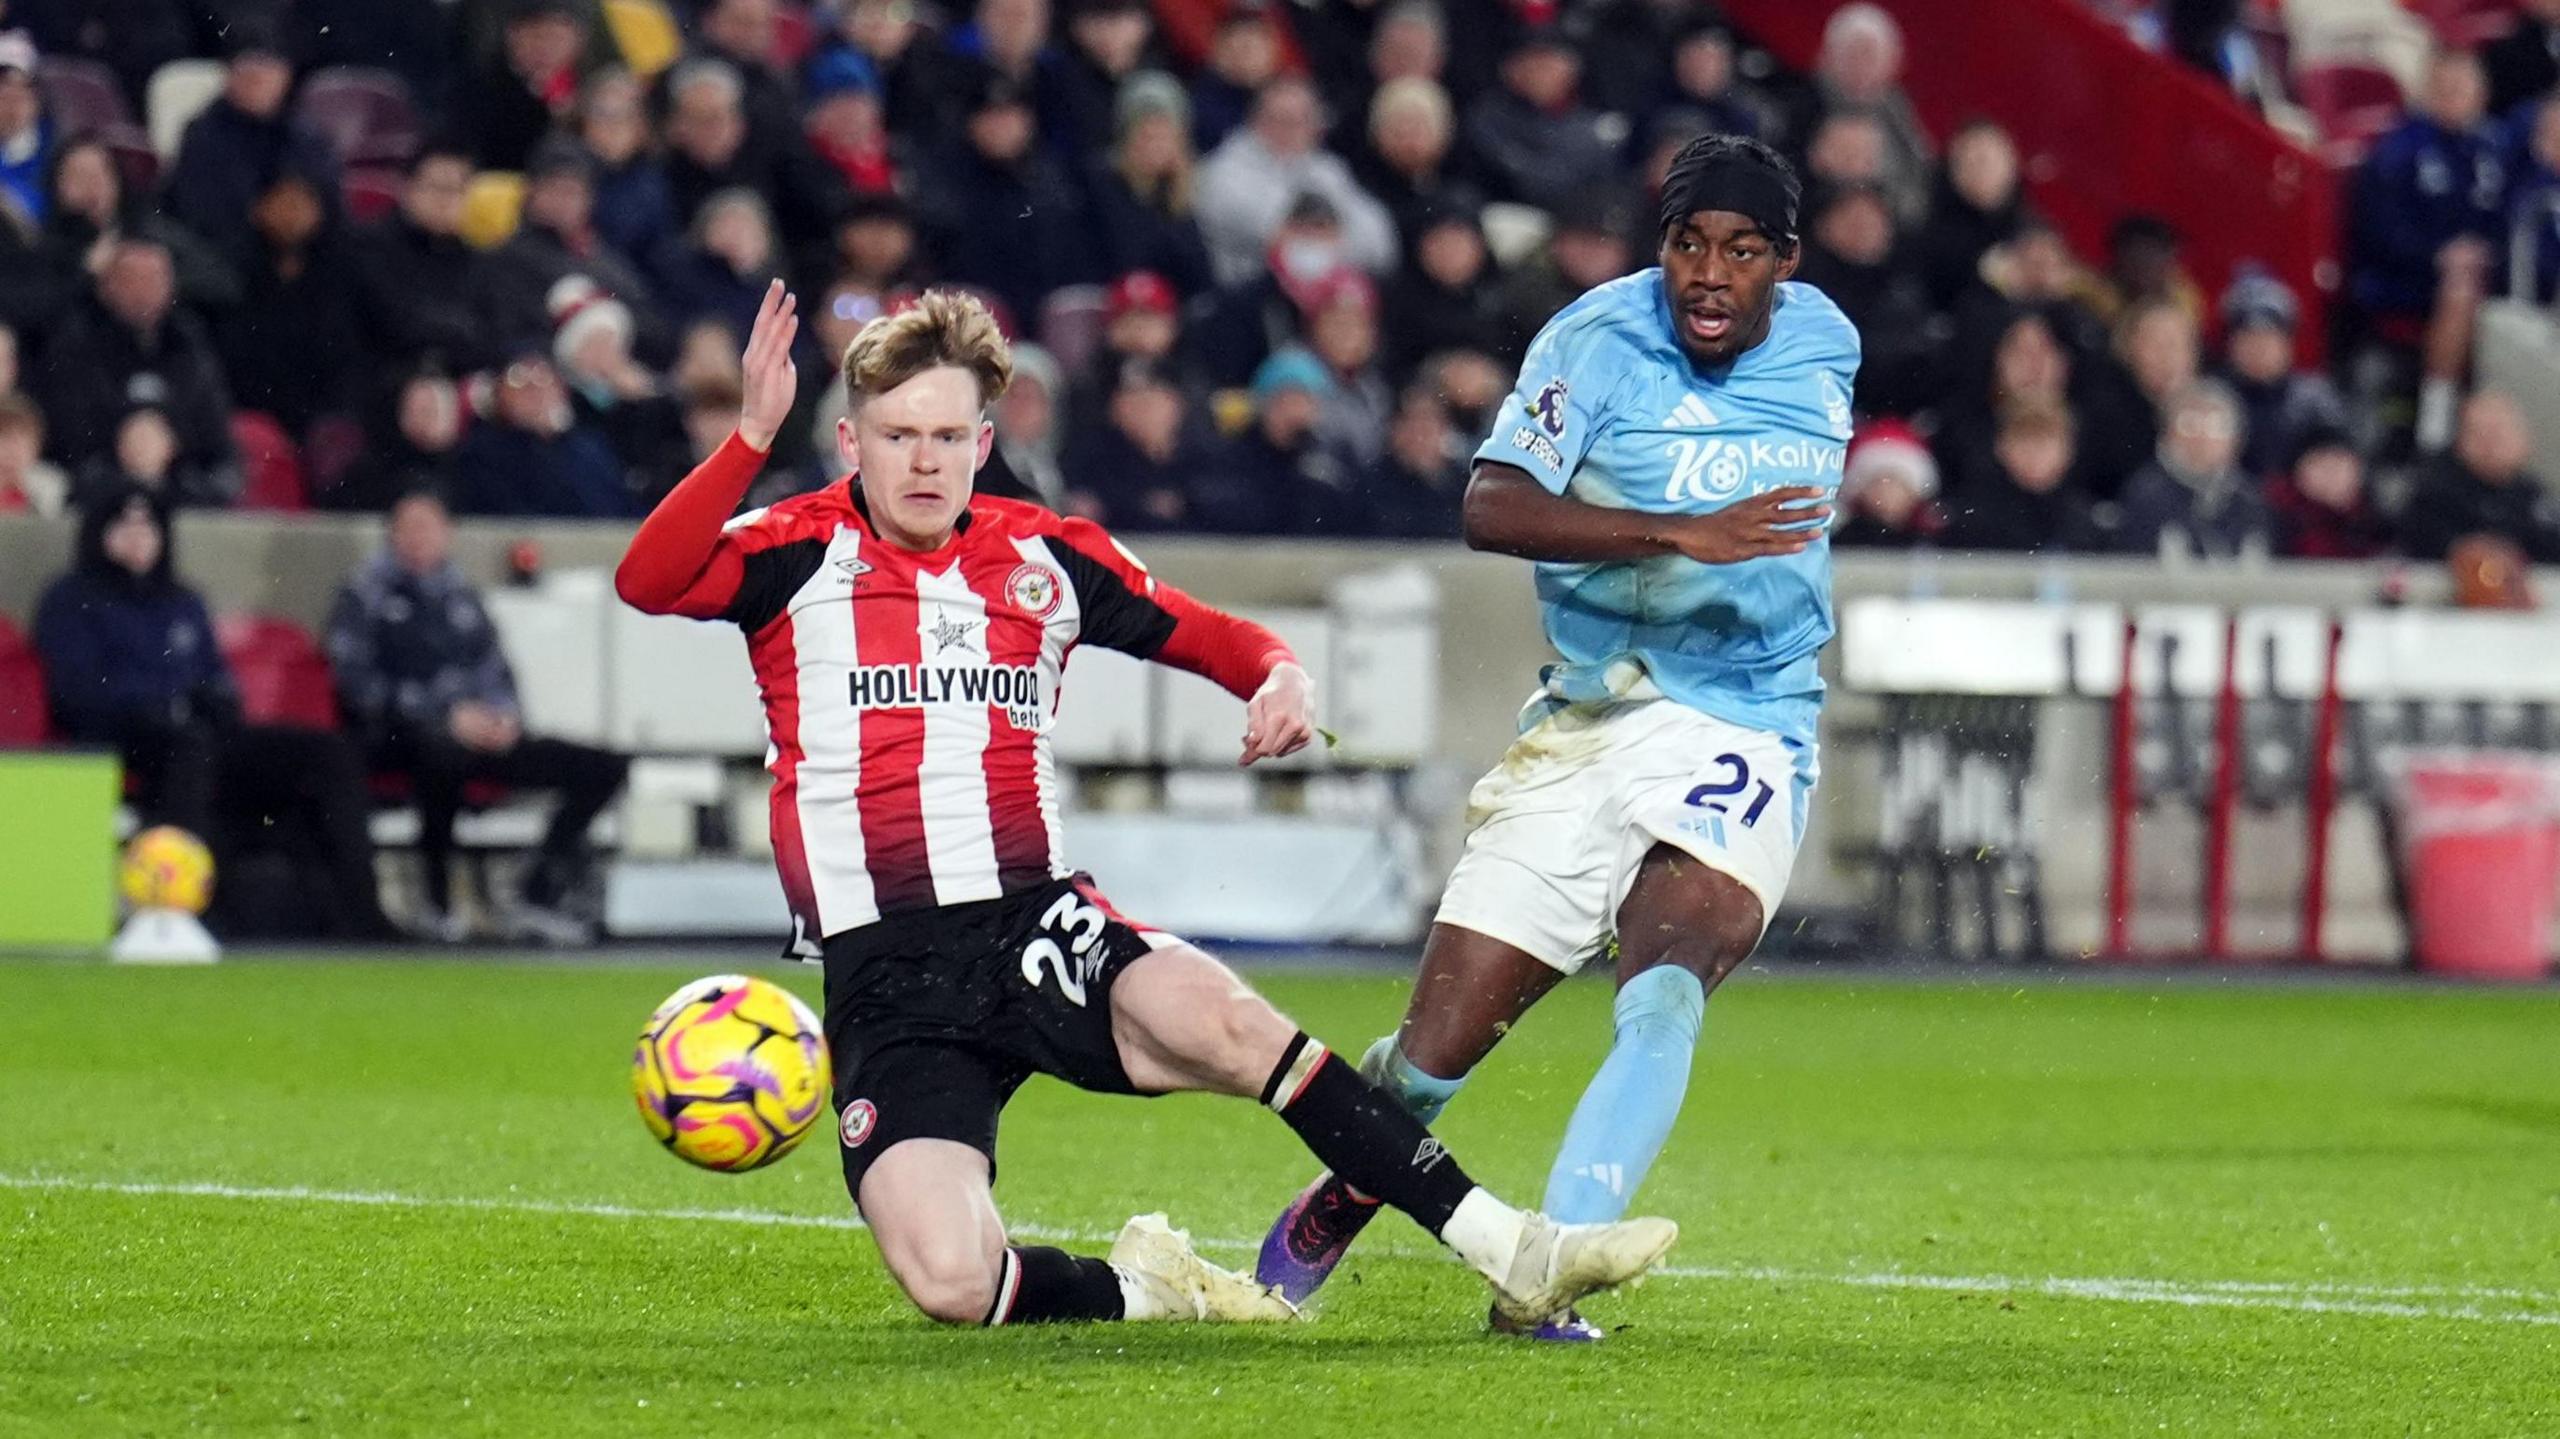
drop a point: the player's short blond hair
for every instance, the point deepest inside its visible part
(943, 327)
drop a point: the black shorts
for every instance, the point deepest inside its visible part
(935, 1017)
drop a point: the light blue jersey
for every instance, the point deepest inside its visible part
(1609, 410)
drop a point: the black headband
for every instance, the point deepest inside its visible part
(1736, 184)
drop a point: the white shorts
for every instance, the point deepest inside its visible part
(1557, 831)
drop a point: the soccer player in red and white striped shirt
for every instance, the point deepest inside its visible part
(908, 639)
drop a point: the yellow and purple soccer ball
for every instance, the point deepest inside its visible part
(164, 867)
(731, 1073)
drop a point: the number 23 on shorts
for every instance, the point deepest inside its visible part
(1081, 924)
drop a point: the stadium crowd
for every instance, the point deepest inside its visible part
(505, 250)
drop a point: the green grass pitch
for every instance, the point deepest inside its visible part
(322, 1197)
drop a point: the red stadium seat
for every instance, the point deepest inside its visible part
(2352, 102)
(272, 461)
(364, 114)
(371, 192)
(82, 95)
(22, 712)
(283, 676)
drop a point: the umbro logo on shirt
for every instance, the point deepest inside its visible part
(854, 567)
(1690, 414)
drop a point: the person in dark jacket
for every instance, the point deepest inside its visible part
(1134, 471)
(1011, 222)
(421, 291)
(1274, 478)
(235, 149)
(2280, 405)
(633, 208)
(1109, 43)
(2194, 496)
(1975, 206)
(413, 444)
(2483, 487)
(131, 662)
(1445, 297)
(1853, 255)
(2430, 192)
(423, 680)
(1141, 188)
(529, 84)
(1409, 156)
(89, 209)
(531, 456)
(557, 238)
(131, 345)
(2524, 64)
(2322, 511)
(1539, 144)
(1418, 487)
(712, 147)
(291, 349)
(2023, 495)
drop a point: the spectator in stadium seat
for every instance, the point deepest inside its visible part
(612, 392)
(1010, 219)
(2533, 203)
(1014, 41)
(1342, 331)
(143, 456)
(1445, 297)
(131, 663)
(876, 249)
(130, 344)
(1858, 71)
(712, 147)
(748, 35)
(2033, 270)
(556, 238)
(1109, 42)
(1408, 157)
(1134, 471)
(1888, 489)
(530, 83)
(919, 76)
(2024, 362)
(2279, 404)
(2143, 263)
(1472, 384)
(134, 38)
(1142, 321)
(1418, 484)
(1030, 423)
(1241, 324)
(1704, 79)
(1853, 255)
(1355, 48)
(29, 483)
(425, 684)
(1249, 183)
(634, 210)
(529, 455)
(88, 209)
(722, 267)
(1143, 187)
(1975, 207)
(411, 448)
(1274, 478)
(2321, 508)
(2483, 486)
(2122, 401)
(2424, 217)
(26, 133)
(1854, 148)
(421, 292)
(845, 124)
(238, 145)
(290, 348)
(1537, 141)
(2193, 496)
(2524, 64)
(2023, 495)
(1244, 59)
(1593, 242)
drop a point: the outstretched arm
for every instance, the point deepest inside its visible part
(676, 564)
(1508, 512)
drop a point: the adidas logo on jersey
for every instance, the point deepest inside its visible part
(1690, 414)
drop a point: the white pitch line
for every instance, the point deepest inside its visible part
(2378, 1301)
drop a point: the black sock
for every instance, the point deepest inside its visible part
(1363, 1136)
(1046, 1286)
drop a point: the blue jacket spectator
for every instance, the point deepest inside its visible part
(532, 457)
(241, 142)
(2439, 178)
(127, 648)
(26, 135)
(634, 211)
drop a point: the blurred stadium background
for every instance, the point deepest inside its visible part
(2186, 576)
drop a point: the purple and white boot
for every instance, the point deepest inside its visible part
(1311, 1237)
(1565, 1328)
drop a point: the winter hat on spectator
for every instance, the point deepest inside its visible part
(1142, 290)
(2258, 298)
(253, 34)
(1888, 447)
(17, 52)
(580, 308)
(1151, 92)
(841, 71)
(1291, 368)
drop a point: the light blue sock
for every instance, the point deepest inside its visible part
(1624, 1117)
(1422, 1095)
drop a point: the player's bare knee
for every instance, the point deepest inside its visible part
(952, 1281)
(1251, 1037)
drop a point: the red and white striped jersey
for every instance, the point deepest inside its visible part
(909, 696)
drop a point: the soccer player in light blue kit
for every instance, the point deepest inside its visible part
(1667, 459)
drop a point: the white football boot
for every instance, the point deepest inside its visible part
(1557, 1264)
(1160, 1260)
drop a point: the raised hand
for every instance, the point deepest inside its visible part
(1781, 522)
(771, 379)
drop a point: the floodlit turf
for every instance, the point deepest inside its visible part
(414, 1197)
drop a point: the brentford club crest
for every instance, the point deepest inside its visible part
(859, 1118)
(1033, 588)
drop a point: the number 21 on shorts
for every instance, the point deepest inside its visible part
(1718, 796)
(1081, 924)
